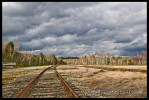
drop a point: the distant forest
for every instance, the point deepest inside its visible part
(10, 54)
(100, 58)
(69, 57)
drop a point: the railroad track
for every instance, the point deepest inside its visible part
(47, 84)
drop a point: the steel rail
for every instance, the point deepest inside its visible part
(71, 93)
(22, 92)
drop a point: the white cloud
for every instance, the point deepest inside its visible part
(72, 29)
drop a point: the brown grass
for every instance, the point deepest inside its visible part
(98, 79)
(120, 81)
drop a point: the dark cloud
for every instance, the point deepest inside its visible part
(133, 49)
(123, 38)
(75, 28)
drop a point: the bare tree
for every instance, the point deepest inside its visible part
(103, 57)
(144, 57)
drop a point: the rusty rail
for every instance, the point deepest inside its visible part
(71, 93)
(22, 92)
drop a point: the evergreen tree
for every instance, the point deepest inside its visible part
(61, 62)
(108, 60)
(41, 57)
(8, 52)
(53, 59)
(9, 48)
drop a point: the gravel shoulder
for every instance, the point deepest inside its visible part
(12, 73)
(12, 87)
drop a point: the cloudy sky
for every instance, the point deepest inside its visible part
(73, 29)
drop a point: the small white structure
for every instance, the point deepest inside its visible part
(8, 63)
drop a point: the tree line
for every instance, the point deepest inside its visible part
(10, 54)
(100, 58)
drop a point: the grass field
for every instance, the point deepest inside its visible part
(112, 84)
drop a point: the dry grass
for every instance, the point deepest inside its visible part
(98, 79)
(119, 81)
(118, 66)
(42, 67)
